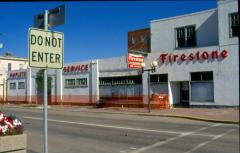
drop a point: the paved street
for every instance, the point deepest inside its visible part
(89, 132)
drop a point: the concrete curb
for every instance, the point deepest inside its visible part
(140, 114)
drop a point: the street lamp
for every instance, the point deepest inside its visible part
(153, 66)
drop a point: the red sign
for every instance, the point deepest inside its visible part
(134, 66)
(205, 55)
(76, 68)
(134, 61)
(14, 75)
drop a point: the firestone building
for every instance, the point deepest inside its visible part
(198, 65)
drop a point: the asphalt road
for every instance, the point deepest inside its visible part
(82, 132)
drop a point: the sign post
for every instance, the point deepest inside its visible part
(45, 95)
(46, 51)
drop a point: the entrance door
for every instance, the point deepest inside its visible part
(184, 93)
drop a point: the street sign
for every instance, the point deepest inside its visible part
(56, 17)
(45, 49)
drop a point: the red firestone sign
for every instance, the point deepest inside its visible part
(134, 61)
(205, 55)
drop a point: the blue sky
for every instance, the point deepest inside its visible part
(93, 30)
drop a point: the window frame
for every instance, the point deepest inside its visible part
(159, 77)
(120, 80)
(201, 73)
(69, 86)
(10, 86)
(81, 85)
(20, 86)
(133, 40)
(9, 67)
(203, 81)
(230, 24)
(143, 38)
(185, 36)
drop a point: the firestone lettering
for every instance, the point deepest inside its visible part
(204, 55)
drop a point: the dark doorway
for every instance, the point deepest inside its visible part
(184, 93)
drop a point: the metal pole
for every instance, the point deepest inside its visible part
(45, 95)
(149, 105)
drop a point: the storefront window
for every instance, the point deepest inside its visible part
(12, 86)
(159, 83)
(158, 78)
(129, 80)
(202, 89)
(122, 86)
(21, 85)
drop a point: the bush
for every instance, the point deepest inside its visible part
(10, 125)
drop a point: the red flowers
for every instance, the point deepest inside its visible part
(10, 125)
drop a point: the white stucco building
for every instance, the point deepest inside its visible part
(7, 64)
(198, 65)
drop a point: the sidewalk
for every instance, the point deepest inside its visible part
(220, 115)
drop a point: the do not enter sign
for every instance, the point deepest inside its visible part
(45, 49)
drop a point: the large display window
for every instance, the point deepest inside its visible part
(202, 89)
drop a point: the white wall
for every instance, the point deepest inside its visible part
(4, 71)
(175, 92)
(116, 66)
(16, 94)
(78, 94)
(163, 30)
(224, 9)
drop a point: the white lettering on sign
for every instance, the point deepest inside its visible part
(134, 66)
(45, 49)
(134, 61)
(135, 58)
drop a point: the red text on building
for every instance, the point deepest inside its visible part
(76, 68)
(15, 75)
(205, 55)
(134, 61)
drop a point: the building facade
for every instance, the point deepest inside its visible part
(139, 41)
(198, 65)
(7, 64)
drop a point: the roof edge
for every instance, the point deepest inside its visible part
(184, 15)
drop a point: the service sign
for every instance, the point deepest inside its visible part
(45, 49)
